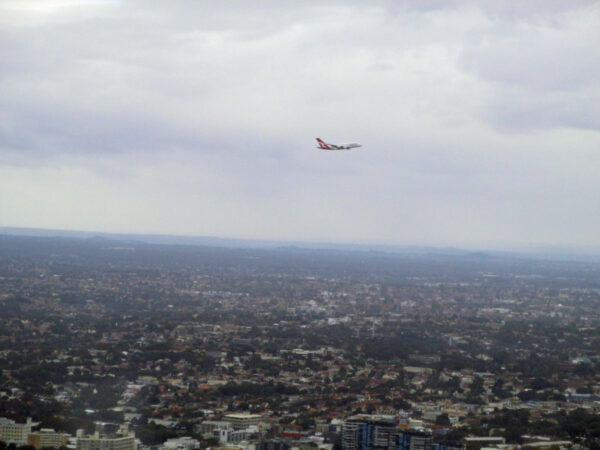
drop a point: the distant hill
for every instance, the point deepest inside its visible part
(565, 253)
(212, 241)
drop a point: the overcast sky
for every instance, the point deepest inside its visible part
(480, 121)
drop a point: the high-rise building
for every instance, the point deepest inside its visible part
(414, 440)
(367, 432)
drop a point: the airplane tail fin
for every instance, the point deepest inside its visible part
(322, 144)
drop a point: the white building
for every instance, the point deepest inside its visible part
(121, 441)
(182, 443)
(231, 436)
(47, 437)
(242, 421)
(12, 432)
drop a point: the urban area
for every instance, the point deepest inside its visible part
(121, 345)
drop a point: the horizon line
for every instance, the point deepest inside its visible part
(561, 249)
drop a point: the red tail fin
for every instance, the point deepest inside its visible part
(322, 144)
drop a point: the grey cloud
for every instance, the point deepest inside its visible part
(539, 74)
(51, 129)
(535, 10)
(524, 114)
(542, 59)
(189, 107)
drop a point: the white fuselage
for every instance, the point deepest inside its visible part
(325, 146)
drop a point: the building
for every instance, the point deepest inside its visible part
(449, 446)
(208, 427)
(271, 444)
(475, 443)
(15, 433)
(366, 432)
(47, 437)
(122, 440)
(242, 421)
(182, 443)
(234, 436)
(548, 445)
(414, 440)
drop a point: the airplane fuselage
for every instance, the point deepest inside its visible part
(325, 146)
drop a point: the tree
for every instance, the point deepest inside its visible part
(477, 386)
(442, 419)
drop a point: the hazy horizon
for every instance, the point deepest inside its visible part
(549, 250)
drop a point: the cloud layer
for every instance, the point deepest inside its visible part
(480, 120)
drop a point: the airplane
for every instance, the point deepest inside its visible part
(325, 146)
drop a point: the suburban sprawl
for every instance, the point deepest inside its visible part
(122, 345)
